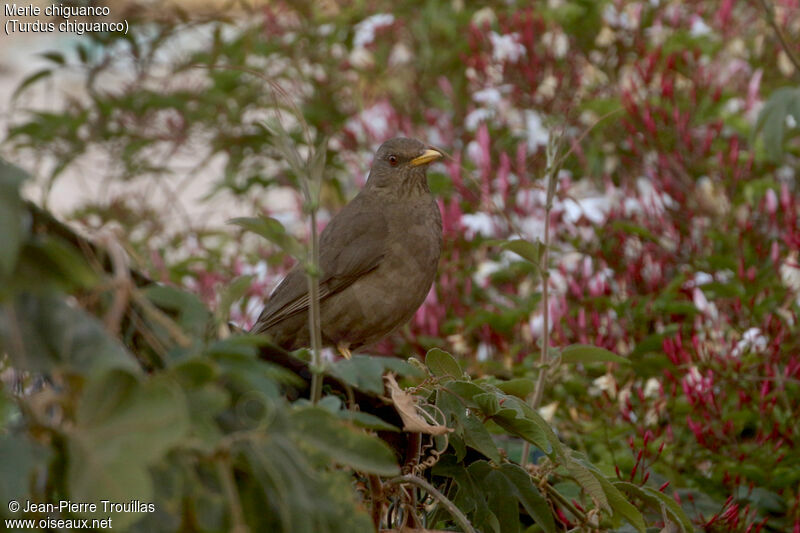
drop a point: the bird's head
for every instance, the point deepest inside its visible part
(400, 165)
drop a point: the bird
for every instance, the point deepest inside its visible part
(378, 258)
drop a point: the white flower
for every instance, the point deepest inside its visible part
(650, 201)
(485, 269)
(547, 89)
(701, 278)
(506, 47)
(536, 132)
(476, 116)
(484, 16)
(401, 55)
(699, 28)
(605, 38)
(259, 270)
(478, 224)
(694, 380)
(548, 411)
(790, 273)
(484, 352)
(557, 43)
(703, 305)
(605, 383)
(365, 30)
(652, 388)
(361, 58)
(594, 209)
(752, 341)
(490, 96)
(458, 343)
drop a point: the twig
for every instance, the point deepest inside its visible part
(231, 494)
(770, 12)
(553, 166)
(376, 492)
(122, 284)
(313, 314)
(564, 502)
(459, 517)
(157, 315)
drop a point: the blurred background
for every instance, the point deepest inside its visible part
(675, 231)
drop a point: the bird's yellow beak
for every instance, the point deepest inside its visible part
(428, 156)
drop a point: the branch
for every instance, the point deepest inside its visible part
(459, 517)
(770, 12)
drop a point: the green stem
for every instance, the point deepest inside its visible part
(224, 468)
(534, 401)
(459, 517)
(565, 503)
(313, 314)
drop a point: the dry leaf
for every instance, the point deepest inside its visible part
(407, 408)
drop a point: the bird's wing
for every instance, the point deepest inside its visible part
(350, 246)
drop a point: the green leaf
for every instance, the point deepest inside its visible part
(582, 353)
(765, 500)
(400, 367)
(366, 421)
(442, 364)
(497, 489)
(362, 372)
(246, 373)
(529, 251)
(469, 497)
(282, 141)
(654, 342)
(488, 402)
(11, 216)
(468, 425)
(511, 421)
(631, 228)
(466, 390)
(476, 436)
(772, 119)
(273, 231)
(233, 292)
(50, 260)
(55, 57)
(322, 431)
(332, 404)
(205, 404)
(619, 504)
(42, 333)
(316, 165)
(30, 80)
(587, 479)
(529, 496)
(18, 459)
(519, 387)
(657, 500)
(192, 314)
(122, 427)
(677, 513)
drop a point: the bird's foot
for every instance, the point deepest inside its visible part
(344, 349)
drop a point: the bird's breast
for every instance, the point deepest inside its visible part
(388, 296)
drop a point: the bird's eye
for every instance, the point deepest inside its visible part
(393, 160)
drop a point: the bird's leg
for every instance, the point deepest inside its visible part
(344, 349)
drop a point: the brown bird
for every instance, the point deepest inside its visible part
(378, 258)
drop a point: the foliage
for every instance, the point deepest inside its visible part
(208, 436)
(675, 243)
